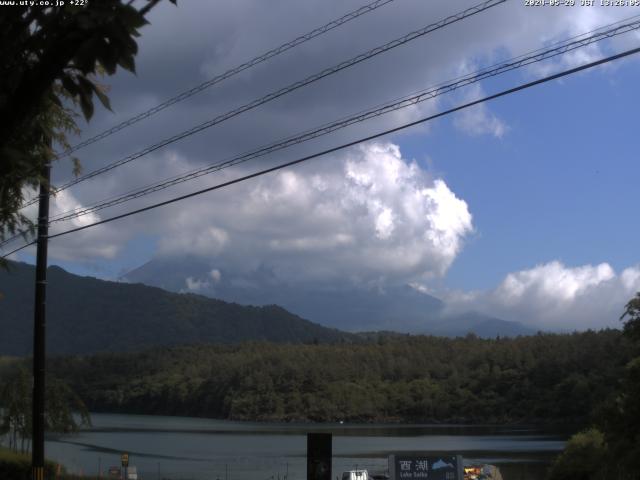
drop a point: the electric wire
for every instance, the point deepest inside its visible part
(286, 90)
(370, 7)
(561, 47)
(404, 102)
(344, 145)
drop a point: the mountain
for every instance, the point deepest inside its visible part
(399, 308)
(484, 326)
(87, 315)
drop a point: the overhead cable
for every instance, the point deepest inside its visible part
(443, 88)
(286, 90)
(342, 146)
(370, 7)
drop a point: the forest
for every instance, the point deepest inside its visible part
(545, 378)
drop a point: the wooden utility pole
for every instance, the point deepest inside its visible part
(39, 324)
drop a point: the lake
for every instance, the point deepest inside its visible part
(204, 449)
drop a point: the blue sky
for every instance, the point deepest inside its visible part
(526, 205)
(560, 184)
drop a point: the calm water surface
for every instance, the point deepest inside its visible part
(204, 449)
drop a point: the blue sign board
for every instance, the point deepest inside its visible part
(426, 467)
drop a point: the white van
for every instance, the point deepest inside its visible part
(355, 475)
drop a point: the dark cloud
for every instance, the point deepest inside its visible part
(188, 44)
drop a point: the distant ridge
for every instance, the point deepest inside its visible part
(87, 315)
(399, 308)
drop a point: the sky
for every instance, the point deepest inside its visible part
(522, 207)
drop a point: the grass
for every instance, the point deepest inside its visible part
(17, 466)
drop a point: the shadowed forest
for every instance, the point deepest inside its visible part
(547, 378)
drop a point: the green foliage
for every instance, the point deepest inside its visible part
(620, 420)
(17, 466)
(614, 442)
(543, 378)
(584, 458)
(632, 319)
(15, 408)
(89, 315)
(49, 58)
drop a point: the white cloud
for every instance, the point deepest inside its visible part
(89, 245)
(553, 296)
(195, 285)
(204, 241)
(478, 120)
(215, 275)
(363, 215)
(64, 202)
(553, 282)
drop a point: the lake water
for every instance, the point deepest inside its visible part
(204, 449)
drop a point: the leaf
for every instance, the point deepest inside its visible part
(69, 85)
(102, 97)
(84, 59)
(87, 106)
(77, 166)
(127, 62)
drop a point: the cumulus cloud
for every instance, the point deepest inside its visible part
(364, 215)
(195, 285)
(202, 285)
(90, 245)
(553, 296)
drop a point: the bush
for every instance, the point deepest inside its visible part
(584, 458)
(17, 466)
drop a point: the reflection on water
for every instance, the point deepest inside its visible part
(202, 449)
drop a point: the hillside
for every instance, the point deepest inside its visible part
(397, 307)
(555, 378)
(87, 315)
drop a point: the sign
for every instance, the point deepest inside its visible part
(425, 467)
(125, 459)
(114, 472)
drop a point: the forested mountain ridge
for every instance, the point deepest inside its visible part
(546, 378)
(87, 315)
(345, 305)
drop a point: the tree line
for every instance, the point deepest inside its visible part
(546, 378)
(610, 447)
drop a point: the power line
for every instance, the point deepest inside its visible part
(522, 60)
(443, 88)
(231, 72)
(345, 145)
(288, 89)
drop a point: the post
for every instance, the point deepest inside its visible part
(319, 456)
(39, 324)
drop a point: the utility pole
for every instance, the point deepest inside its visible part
(39, 323)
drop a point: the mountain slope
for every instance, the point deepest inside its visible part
(399, 308)
(87, 315)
